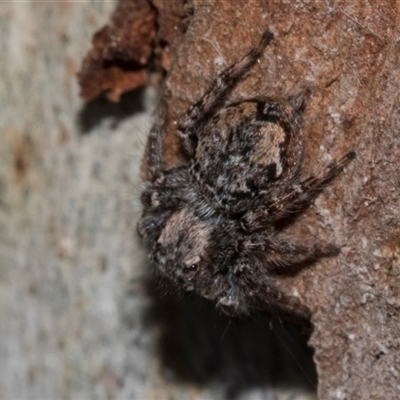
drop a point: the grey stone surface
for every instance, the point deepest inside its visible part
(69, 175)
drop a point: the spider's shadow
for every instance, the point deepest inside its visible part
(92, 113)
(201, 346)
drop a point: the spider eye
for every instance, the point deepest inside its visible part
(193, 267)
(192, 264)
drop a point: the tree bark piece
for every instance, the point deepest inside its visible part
(120, 52)
(139, 34)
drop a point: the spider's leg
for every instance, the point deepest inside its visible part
(202, 109)
(279, 304)
(293, 199)
(166, 192)
(155, 143)
(256, 288)
(256, 220)
(280, 253)
(300, 195)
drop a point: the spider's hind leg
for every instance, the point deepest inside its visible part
(300, 195)
(198, 113)
(292, 199)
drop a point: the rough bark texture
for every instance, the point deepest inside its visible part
(76, 318)
(117, 63)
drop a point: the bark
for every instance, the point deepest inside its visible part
(76, 317)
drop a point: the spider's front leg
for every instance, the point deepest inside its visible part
(278, 252)
(253, 286)
(199, 113)
(276, 302)
(160, 199)
(166, 192)
(264, 297)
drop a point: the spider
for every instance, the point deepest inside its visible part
(211, 223)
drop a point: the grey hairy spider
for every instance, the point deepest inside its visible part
(211, 222)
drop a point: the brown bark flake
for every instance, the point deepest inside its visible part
(117, 62)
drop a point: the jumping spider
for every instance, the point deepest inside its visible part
(211, 222)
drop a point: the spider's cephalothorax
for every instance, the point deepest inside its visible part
(210, 223)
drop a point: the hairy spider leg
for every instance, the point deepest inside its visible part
(280, 304)
(154, 148)
(259, 290)
(297, 197)
(281, 252)
(198, 114)
(302, 194)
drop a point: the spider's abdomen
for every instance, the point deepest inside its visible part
(241, 152)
